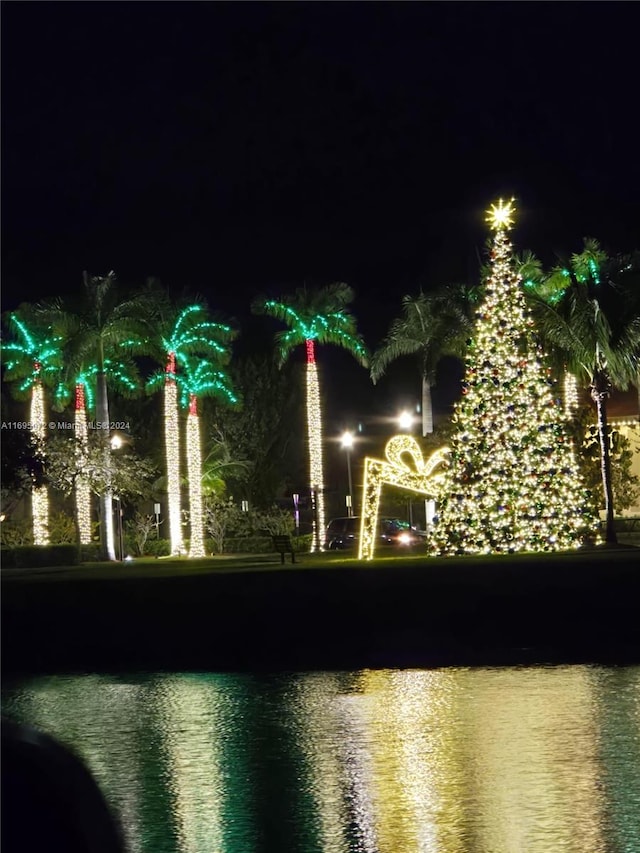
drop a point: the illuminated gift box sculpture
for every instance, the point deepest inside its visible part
(414, 474)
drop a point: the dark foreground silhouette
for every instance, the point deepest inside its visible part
(50, 801)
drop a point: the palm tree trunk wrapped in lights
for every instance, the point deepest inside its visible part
(82, 489)
(172, 448)
(314, 432)
(178, 335)
(39, 494)
(198, 378)
(34, 358)
(570, 393)
(194, 470)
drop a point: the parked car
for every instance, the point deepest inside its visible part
(343, 533)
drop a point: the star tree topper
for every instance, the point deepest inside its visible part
(500, 216)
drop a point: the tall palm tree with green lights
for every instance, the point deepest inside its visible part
(34, 360)
(315, 316)
(199, 378)
(588, 309)
(431, 326)
(180, 333)
(99, 328)
(80, 381)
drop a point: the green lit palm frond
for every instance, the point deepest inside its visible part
(315, 314)
(201, 378)
(193, 332)
(591, 338)
(529, 269)
(33, 352)
(122, 374)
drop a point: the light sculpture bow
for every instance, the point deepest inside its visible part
(404, 467)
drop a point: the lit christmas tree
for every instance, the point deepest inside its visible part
(513, 483)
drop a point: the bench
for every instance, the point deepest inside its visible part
(283, 546)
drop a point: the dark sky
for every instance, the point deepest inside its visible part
(243, 148)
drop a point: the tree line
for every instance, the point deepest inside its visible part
(79, 352)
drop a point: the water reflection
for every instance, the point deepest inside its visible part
(452, 761)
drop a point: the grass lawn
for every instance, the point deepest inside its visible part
(326, 611)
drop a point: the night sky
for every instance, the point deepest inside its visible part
(237, 149)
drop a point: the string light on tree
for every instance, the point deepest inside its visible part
(124, 376)
(315, 317)
(82, 489)
(191, 333)
(199, 378)
(34, 359)
(570, 393)
(39, 494)
(513, 483)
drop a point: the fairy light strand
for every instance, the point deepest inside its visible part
(194, 471)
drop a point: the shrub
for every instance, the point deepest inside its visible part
(37, 556)
(245, 545)
(257, 544)
(62, 529)
(157, 548)
(16, 533)
(90, 553)
(302, 543)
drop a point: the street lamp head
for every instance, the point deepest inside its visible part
(346, 440)
(405, 420)
(116, 442)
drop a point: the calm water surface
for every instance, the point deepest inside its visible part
(537, 760)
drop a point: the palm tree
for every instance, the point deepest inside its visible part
(588, 313)
(539, 285)
(178, 334)
(198, 378)
(125, 375)
(317, 316)
(432, 325)
(101, 328)
(34, 361)
(221, 464)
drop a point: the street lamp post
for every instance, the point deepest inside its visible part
(346, 441)
(116, 444)
(296, 512)
(156, 511)
(405, 422)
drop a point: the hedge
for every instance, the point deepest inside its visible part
(37, 556)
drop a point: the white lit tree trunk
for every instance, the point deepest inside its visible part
(39, 494)
(194, 470)
(82, 489)
(427, 407)
(570, 393)
(172, 448)
(314, 431)
(107, 540)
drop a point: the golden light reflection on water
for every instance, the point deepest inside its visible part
(416, 774)
(534, 764)
(532, 760)
(191, 728)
